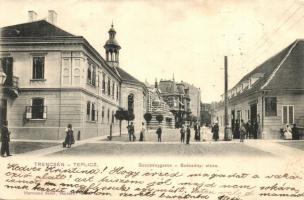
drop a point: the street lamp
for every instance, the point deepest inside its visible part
(227, 131)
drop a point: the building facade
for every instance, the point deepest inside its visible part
(54, 78)
(271, 95)
(157, 106)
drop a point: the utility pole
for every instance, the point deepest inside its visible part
(228, 133)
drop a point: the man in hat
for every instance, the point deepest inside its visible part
(5, 139)
(159, 133)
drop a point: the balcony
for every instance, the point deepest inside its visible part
(11, 86)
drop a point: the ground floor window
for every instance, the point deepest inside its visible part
(288, 114)
(270, 106)
(37, 110)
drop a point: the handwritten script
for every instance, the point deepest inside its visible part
(154, 181)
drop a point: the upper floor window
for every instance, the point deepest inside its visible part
(38, 67)
(88, 110)
(91, 78)
(109, 87)
(270, 106)
(113, 90)
(103, 83)
(117, 92)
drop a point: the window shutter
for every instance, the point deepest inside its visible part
(28, 112)
(44, 112)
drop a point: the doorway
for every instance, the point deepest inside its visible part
(253, 119)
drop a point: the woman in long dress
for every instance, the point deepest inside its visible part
(287, 133)
(69, 138)
(142, 132)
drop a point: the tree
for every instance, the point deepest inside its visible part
(147, 117)
(120, 115)
(159, 118)
(129, 116)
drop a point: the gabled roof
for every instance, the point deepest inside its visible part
(168, 86)
(40, 28)
(282, 71)
(289, 74)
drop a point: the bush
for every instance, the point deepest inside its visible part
(159, 118)
(148, 117)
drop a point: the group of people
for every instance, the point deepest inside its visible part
(242, 130)
(185, 131)
(291, 133)
(131, 134)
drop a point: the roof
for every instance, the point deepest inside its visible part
(168, 86)
(289, 75)
(40, 28)
(282, 71)
(125, 76)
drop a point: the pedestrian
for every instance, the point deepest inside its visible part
(142, 132)
(69, 138)
(294, 131)
(204, 133)
(159, 133)
(242, 131)
(236, 134)
(188, 134)
(196, 132)
(287, 132)
(182, 132)
(5, 139)
(131, 132)
(215, 131)
(248, 128)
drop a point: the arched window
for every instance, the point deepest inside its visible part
(131, 103)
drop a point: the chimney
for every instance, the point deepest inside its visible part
(32, 16)
(52, 17)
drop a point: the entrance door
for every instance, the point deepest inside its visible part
(3, 111)
(253, 112)
(253, 119)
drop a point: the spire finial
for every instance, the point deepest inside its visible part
(112, 25)
(173, 76)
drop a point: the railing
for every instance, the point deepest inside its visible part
(11, 82)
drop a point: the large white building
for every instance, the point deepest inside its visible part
(54, 78)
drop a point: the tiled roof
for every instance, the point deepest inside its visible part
(40, 28)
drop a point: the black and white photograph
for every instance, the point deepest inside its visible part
(134, 99)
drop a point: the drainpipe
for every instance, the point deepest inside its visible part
(262, 113)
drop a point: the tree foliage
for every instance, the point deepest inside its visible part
(159, 118)
(148, 117)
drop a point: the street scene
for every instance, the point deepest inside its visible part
(71, 88)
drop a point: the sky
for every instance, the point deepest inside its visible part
(187, 38)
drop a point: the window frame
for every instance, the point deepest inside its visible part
(288, 111)
(42, 115)
(272, 113)
(34, 76)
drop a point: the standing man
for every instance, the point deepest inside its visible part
(5, 139)
(215, 131)
(131, 132)
(159, 133)
(182, 132)
(188, 134)
(242, 131)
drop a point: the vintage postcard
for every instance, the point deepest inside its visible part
(134, 99)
